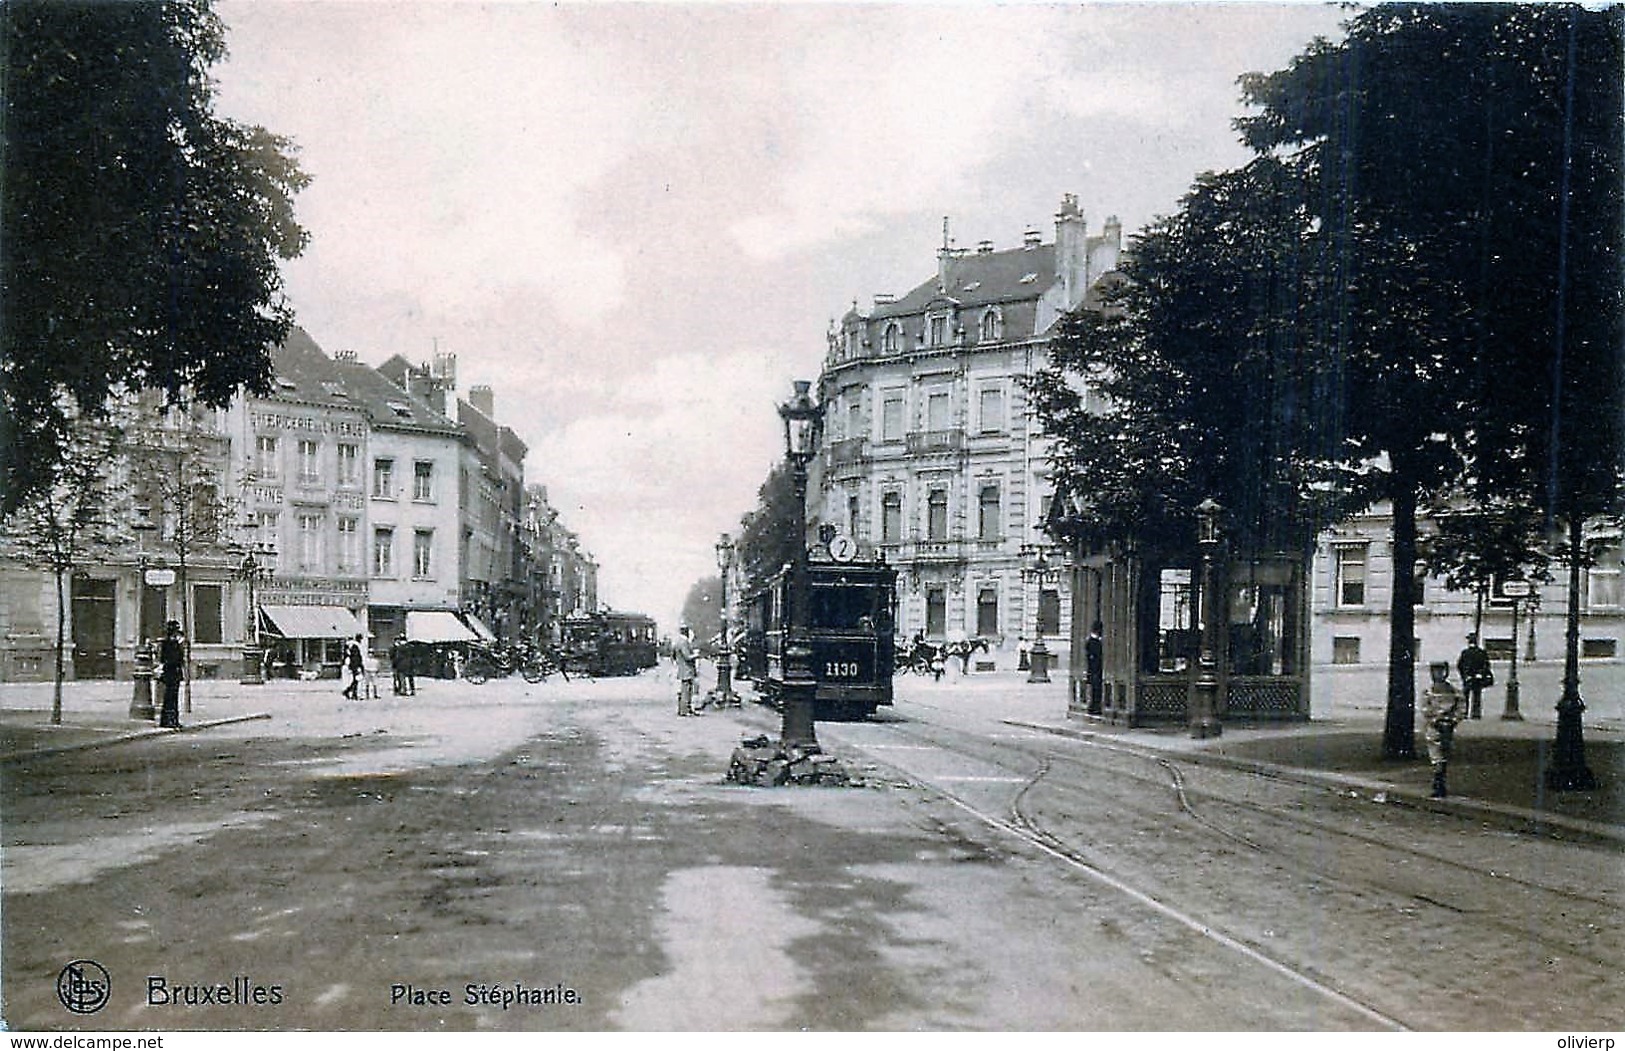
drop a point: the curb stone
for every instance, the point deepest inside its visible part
(137, 735)
(1345, 782)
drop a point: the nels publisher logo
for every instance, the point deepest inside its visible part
(83, 986)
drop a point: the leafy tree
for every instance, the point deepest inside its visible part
(142, 230)
(71, 523)
(702, 610)
(1443, 148)
(1198, 381)
(178, 466)
(1495, 539)
(769, 533)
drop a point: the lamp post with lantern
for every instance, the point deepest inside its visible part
(1205, 690)
(801, 416)
(141, 706)
(253, 569)
(1518, 591)
(723, 696)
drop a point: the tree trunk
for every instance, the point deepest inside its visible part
(1399, 728)
(61, 645)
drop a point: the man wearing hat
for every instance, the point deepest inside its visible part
(353, 660)
(687, 661)
(171, 662)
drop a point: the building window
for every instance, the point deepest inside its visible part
(992, 410)
(936, 523)
(1351, 575)
(892, 337)
(992, 327)
(936, 612)
(349, 465)
(936, 411)
(939, 331)
(1049, 612)
(852, 503)
(1346, 649)
(383, 478)
(1599, 649)
(349, 545)
(207, 609)
(1602, 581)
(423, 480)
(268, 532)
(423, 553)
(310, 542)
(310, 463)
(987, 513)
(891, 518)
(987, 612)
(383, 552)
(854, 418)
(891, 424)
(265, 461)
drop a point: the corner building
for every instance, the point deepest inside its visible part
(930, 455)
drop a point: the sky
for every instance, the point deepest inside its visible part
(635, 222)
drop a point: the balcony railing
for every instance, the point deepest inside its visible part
(848, 450)
(951, 440)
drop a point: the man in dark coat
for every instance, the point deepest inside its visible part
(1474, 668)
(171, 665)
(353, 660)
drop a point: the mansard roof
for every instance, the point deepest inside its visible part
(979, 279)
(305, 373)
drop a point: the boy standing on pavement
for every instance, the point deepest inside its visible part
(682, 653)
(1441, 710)
(352, 658)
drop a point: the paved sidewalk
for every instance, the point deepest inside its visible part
(1497, 771)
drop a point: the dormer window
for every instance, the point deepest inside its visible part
(401, 409)
(992, 327)
(938, 331)
(889, 342)
(1028, 279)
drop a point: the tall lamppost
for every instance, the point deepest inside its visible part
(1204, 695)
(801, 417)
(141, 706)
(1038, 658)
(1517, 591)
(253, 570)
(724, 695)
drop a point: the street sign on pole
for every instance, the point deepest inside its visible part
(160, 578)
(1516, 588)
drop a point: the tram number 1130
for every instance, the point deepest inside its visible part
(840, 669)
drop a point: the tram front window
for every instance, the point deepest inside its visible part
(845, 608)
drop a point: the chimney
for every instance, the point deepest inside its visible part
(1030, 239)
(482, 399)
(984, 247)
(1071, 251)
(348, 357)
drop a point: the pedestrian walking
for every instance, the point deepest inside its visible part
(171, 665)
(1094, 655)
(687, 661)
(1441, 711)
(353, 661)
(411, 654)
(1474, 667)
(397, 665)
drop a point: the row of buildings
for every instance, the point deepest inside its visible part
(347, 499)
(932, 459)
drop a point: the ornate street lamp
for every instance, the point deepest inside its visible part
(723, 695)
(801, 417)
(253, 570)
(1205, 691)
(1038, 659)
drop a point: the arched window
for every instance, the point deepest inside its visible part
(992, 328)
(889, 341)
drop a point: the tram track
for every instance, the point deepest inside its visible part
(1390, 878)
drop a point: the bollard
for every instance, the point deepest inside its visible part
(1039, 661)
(141, 706)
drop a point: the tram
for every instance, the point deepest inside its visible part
(608, 642)
(852, 610)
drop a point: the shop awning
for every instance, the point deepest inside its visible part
(312, 622)
(436, 625)
(485, 633)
